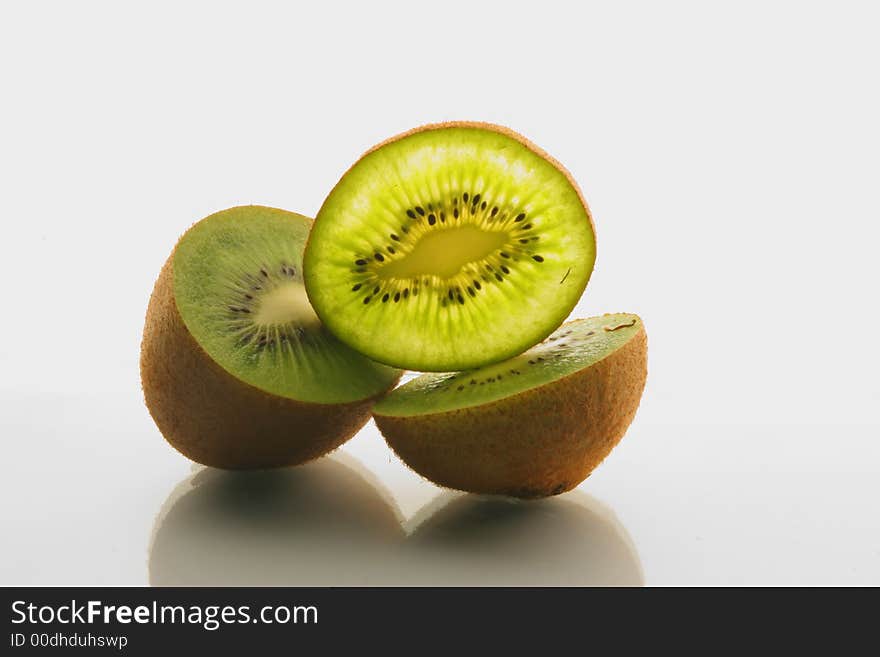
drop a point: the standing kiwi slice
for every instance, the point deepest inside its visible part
(532, 426)
(237, 370)
(449, 247)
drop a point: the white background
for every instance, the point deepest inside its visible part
(730, 154)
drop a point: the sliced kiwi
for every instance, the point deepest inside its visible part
(237, 369)
(449, 247)
(532, 426)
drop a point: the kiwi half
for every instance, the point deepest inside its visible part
(237, 370)
(532, 426)
(449, 247)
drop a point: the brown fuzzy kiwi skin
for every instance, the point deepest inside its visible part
(213, 418)
(540, 442)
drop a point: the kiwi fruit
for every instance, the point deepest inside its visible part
(237, 370)
(449, 247)
(532, 426)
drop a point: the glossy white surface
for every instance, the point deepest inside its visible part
(729, 155)
(95, 497)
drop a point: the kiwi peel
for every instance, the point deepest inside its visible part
(237, 370)
(533, 426)
(434, 235)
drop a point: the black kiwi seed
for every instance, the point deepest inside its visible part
(537, 258)
(397, 297)
(476, 199)
(443, 216)
(376, 290)
(410, 214)
(367, 300)
(432, 219)
(461, 387)
(394, 237)
(505, 269)
(451, 294)
(483, 205)
(379, 257)
(360, 262)
(264, 273)
(455, 213)
(494, 211)
(385, 297)
(505, 255)
(391, 250)
(477, 284)
(520, 217)
(524, 241)
(499, 277)
(527, 227)
(420, 210)
(470, 291)
(465, 197)
(405, 293)
(356, 287)
(460, 299)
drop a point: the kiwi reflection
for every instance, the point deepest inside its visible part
(323, 524)
(572, 540)
(330, 523)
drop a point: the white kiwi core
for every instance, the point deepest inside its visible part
(443, 253)
(287, 303)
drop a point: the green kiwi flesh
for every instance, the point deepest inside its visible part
(450, 247)
(238, 287)
(573, 347)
